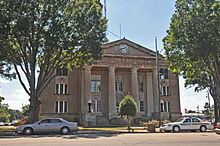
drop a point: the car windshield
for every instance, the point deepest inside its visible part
(179, 120)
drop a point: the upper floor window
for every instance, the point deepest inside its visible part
(61, 107)
(61, 88)
(165, 90)
(163, 73)
(118, 84)
(62, 72)
(96, 83)
(140, 84)
(95, 86)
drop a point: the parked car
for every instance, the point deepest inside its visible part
(187, 123)
(7, 124)
(49, 125)
(1, 123)
(217, 129)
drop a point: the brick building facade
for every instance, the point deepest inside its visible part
(126, 68)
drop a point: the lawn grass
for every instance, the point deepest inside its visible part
(12, 128)
(7, 128)
(111, 128)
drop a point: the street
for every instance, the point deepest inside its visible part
(125, 139)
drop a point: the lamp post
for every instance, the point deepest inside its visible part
(158, 81)
(89, 104)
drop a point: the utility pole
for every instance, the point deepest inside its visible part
(105, 8)
(158, 81)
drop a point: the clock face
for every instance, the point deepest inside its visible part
(123, 48)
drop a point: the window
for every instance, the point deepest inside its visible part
(187, 120)
(165, 90)
(62, 72)
(163, 73)
(96, 83)
(55, 121)
(96, 106)
(141, 106)
(61, 88)
(165, 106)
(45, 121)
(195, 120)
(61, 107)
(118, 84)
(140, 84)
(95, 86)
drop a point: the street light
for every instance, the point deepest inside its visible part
(158, 81)
(89, 104)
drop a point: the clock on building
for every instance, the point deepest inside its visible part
(123, 48)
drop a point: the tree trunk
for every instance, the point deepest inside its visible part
(215, 111)
(34, 109)
(218, 100)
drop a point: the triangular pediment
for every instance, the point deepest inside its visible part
(125, 47)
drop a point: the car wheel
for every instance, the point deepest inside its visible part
(176, 129)
(65, 130)
(28, 131)
(203, 129)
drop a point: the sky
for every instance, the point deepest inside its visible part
(141, 21)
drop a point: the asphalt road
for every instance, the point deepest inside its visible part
(125, 139)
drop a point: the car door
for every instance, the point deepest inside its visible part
(55, 125)
(43, 126)
(187, 124)
(196, 123)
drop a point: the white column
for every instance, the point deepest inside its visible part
(112, 97)
(134, 85)
(150, 102)
(87, 89)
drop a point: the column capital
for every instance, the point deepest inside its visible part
(134, 69)
(87, 67)
(111, 67)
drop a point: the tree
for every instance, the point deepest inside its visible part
(193, 46)
(39, 36)
(4, 111)
(26, 110)
(128, 109)
(15, 114)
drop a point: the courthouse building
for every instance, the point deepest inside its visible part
(126, 68)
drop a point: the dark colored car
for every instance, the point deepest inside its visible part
(49, 125)
(217, 129)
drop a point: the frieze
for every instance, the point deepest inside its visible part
(62, 79)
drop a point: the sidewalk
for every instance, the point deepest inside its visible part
(98, 132)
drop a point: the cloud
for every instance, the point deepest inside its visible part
(4, 81)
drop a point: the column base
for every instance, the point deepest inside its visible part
(89, 120)
(113, 116)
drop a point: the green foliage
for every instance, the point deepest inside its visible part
(4, 117)
(4, 111)
(192, 44)
(26, 110)
(166, 121)
(128, 109)
(39, 36)
(128, 106)
(15, 115)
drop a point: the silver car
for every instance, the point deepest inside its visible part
(49, 125)
(187, 123)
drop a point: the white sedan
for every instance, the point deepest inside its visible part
(187, 123)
